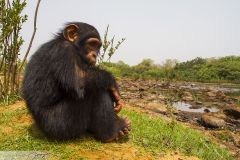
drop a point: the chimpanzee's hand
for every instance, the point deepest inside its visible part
(118, 106)
(117, 99)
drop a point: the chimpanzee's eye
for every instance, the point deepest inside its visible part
(94, 44)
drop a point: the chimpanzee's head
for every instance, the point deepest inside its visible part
(86, 38)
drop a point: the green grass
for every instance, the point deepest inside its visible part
(224, 137)
(156, 135)
(150, 135)
(10, 99)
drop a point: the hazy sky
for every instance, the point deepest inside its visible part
(156, 29)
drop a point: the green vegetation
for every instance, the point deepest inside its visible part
(108, 47)
(11, 22)
(225, 69)
(222, 69)
(224, 136)
(157, 135)
(151, 136)
(10, 99)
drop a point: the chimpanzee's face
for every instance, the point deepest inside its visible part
(92, 48)
(88, 48)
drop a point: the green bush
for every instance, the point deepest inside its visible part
(225, 69)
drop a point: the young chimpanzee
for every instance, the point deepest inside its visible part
(67, 94)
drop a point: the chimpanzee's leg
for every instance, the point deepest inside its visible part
(65, 120)
(105, 124)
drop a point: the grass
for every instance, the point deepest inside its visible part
(9, 99)
(224, 136)
(150, 136)
(156, 136)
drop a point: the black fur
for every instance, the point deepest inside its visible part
(63, 105)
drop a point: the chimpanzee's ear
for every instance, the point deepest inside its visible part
(70, 32)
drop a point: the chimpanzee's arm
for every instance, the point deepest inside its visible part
(99, 79)
(63, 68)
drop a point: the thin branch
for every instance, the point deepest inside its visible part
(9, 4)
(33, 35)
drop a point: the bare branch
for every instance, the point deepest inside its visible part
(33, 35)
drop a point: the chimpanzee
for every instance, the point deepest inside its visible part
(67, 94)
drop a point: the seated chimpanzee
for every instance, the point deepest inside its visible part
(67, 94)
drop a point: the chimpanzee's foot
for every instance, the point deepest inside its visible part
(124, 130)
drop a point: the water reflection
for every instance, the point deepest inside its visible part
(182, 106)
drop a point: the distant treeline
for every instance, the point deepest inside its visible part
(225, 69)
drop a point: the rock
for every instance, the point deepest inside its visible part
(132, 88)
(141, 105)
(186, 93)
(153, 92)
(212, 122)
(193, 84)
(151, 97)
(157, 107)
(220, 94)
(211, 94)
(195, 107)
(198, 102)
(165, 85)
(160, 97)
(210, 89)
(216, 104)
(216, 94)
(187, 96)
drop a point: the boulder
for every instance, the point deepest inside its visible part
(212, 121)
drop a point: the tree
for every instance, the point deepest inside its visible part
(11, 21)
(170, 63)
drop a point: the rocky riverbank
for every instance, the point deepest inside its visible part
(207, 107)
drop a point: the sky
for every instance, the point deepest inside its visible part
(156, 29)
